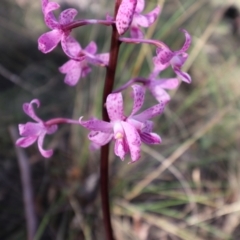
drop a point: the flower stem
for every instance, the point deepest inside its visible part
(108, 87)
(79, 23)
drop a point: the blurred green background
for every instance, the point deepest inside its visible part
(186, 188)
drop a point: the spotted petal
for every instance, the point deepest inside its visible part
(49, 40)
(187, 42)
(72, 48)
(140, 6)
(133, 140)
(114, 106)
(125, 15)
(96, 125)
(49, 17)
(73, 71)
(138, 98)
(150, 138)
(67, 16)
(147, 19)
(150, 112)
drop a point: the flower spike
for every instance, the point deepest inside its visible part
(32, 132)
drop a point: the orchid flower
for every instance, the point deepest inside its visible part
(128, 132)
(143, 20)
(32, 132)
(48, 41)
(176, 59)
(74, 69)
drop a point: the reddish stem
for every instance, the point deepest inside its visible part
(79, 23)
(108, 87)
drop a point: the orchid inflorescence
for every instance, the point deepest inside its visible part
(127, 132)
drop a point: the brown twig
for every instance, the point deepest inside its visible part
(26, 185)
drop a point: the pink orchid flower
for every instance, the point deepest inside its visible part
(143, 20)
(75, 69)
(32, 132)
(48, 41)
(128, 132)
(176, 59)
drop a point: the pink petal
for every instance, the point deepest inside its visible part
(30, 129)
(157, 88)
(148, 126)
(150, 138)
(85, 70)
(187, 43)
(167, 83)
(29, 110)
(179, 59)
(140, 6)
(26, 141)
(109, 17)
(121, 148)
(91, 47)
(138, 98)
(49, 17)
(103, 58)
(135, 123)
(49, 40)
(51, 129)
(164, 55)
(97, 125)
(133, 141)
(73, 72)
(71, 47)
(182, 75)
(135, 32)
(44, 4)
(150, 112)
(125, 15)
(147, 19)
(94, 59)
(45, 153)
(49, 7)
(100, 138)
(159, 93)
(114, 105)
(67, 16)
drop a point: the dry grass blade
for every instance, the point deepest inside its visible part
(205, 36)
(227, 209)
(160, 222)
(172, 158)
(27, 187)
(176, 173)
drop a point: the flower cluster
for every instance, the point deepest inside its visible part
(127, 132)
